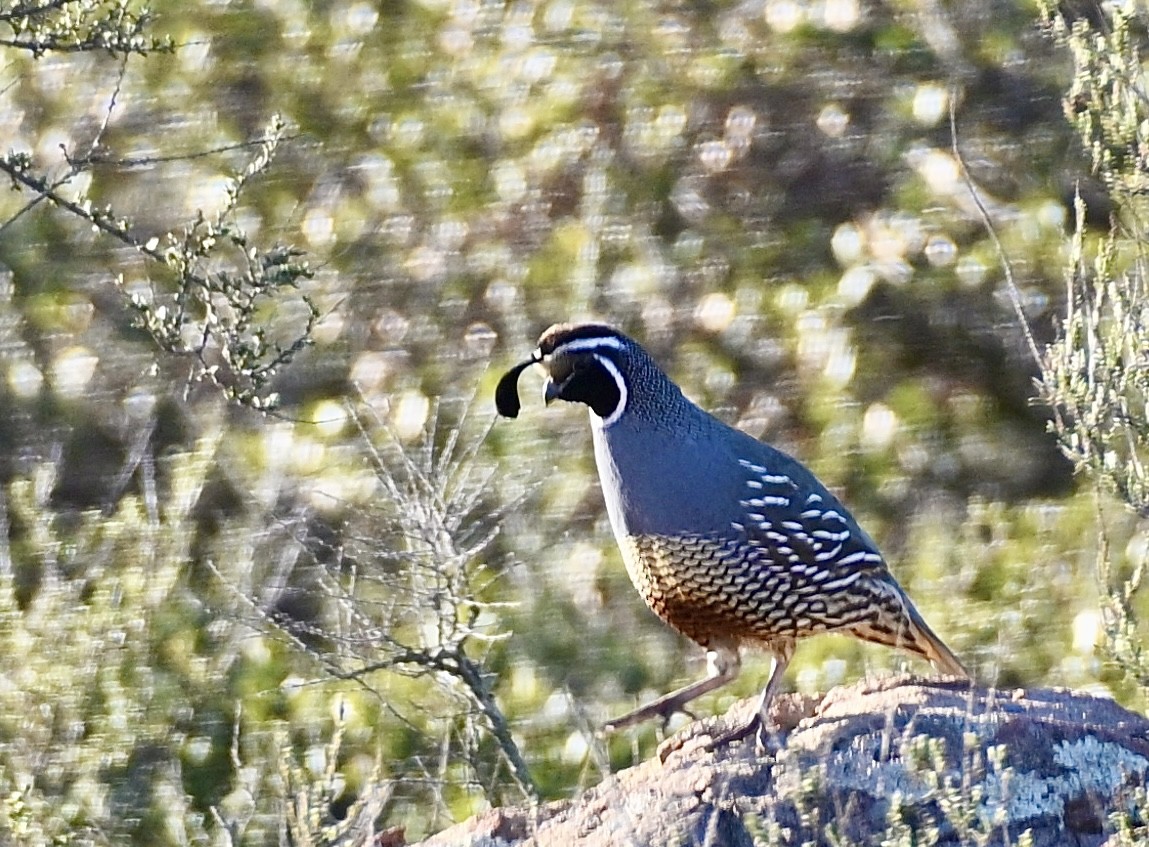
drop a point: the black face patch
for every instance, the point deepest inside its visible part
(589, 382)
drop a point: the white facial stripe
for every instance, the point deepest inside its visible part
(611, 368)
(589, 344)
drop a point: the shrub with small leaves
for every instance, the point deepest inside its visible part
(1096, 376)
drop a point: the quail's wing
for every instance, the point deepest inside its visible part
(802, 527)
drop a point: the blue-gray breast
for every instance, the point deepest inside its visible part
(730, 541)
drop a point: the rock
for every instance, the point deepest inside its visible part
(900, 760)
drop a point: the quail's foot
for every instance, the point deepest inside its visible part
(664, 707)
(768, 741)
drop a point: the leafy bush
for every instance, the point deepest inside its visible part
(1097, 374)
(222, 625)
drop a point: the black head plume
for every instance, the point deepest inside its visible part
(507, 392)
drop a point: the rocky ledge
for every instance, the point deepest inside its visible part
(901, 761)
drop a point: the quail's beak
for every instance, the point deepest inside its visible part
(551, 390)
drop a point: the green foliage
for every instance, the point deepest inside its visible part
(72, 26)
(216, 317)
(220, 317)
(1097, 374)
(96, 709)
(208, 314)
(232, 628)
(411, 592)
(1105, 103)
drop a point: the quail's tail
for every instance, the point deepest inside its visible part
(900, 625)
(927, 644)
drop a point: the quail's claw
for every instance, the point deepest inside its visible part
(751, 727)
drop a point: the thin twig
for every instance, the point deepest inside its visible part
(1003, 257)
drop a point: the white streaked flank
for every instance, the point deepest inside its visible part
(835, 584)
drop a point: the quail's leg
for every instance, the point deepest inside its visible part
(722, 665)
(759, 722)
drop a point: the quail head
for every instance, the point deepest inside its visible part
(729, 540)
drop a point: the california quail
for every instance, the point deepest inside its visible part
(729, 540)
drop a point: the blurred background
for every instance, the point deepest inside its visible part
(376, 602)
